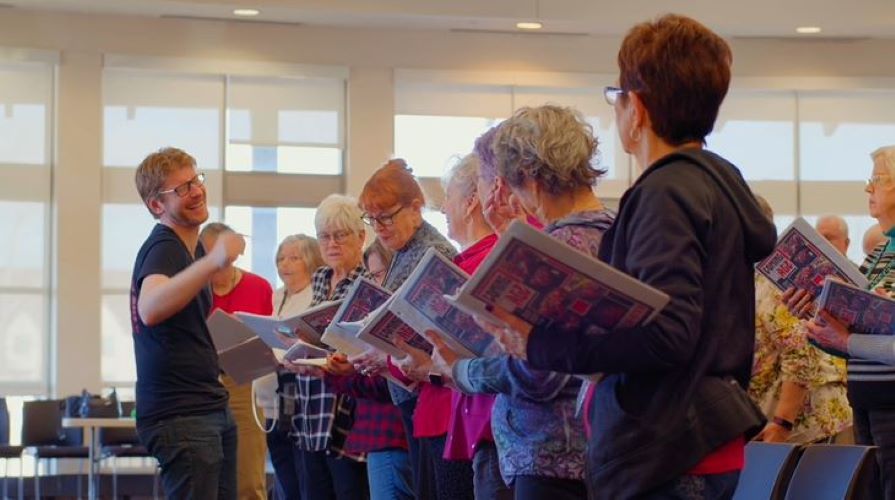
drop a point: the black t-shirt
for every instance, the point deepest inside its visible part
(177, 365)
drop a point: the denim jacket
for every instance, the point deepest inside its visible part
(535, 427)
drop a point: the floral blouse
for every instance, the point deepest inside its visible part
(782, 353)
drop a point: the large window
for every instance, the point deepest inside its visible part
(436, 123)
(270, 146)
(26, 124)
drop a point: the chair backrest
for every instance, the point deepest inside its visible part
(122, 436)
(4, 422)
(828, 471)
(42, 425)
(768, 469)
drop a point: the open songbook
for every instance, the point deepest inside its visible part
(308, 325)
(860, 310)
(242, 354)
(803, 258)
(420, 304)
(543, 281)
(382, 328)
(362, 298)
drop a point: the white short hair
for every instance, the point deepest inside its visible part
(338, 211)
(886, 156)
(464, 174)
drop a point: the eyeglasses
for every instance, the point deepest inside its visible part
(384, 220)
(611, 94)
(185, 188)
(876, 180)
(337, 237)
(378, 275)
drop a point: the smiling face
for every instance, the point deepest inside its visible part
(187, 211)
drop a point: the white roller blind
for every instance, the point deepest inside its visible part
(433, 99)
(143, 112)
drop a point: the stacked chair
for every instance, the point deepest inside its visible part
(815, 472)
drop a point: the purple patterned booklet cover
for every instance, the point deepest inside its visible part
(803, 259)
(862, 311)
(362, 299)
(544, 281)
(421, 304)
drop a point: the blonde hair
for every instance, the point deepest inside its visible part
(885, 155)
(552, 145)
(308, 250)
(154, 170)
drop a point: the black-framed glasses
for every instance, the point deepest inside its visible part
(185, 188)
(384, 220)
(611, 94)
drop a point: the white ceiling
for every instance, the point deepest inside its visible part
(754, 18)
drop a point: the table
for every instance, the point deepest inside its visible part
(91, 425)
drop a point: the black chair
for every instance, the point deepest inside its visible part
(44, 438)
(828, 471)
(8, 452)
(767, 471)
(123, 443)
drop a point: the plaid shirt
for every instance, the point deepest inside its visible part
(377, 422)
(321, 415)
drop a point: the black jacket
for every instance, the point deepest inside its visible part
(690, 227)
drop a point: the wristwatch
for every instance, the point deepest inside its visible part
(782, 422)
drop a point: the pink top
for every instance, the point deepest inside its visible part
(470, 416)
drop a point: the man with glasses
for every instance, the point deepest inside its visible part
(182, 413)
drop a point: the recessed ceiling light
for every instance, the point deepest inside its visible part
(529, 25)
(808, 30)
(246, 12)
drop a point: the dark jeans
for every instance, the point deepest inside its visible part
(197, 455)
(452, 478)
(326, 477)
(550, 488)
(487, 482)
(877, 428)
(285, 459)
(422, 489)
(708, 487)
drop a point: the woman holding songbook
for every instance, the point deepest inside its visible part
(237, 290)
(800, 388)
(468, 435)
(331, 467)
(871, 374)
(670, 416)
(392, 202)
(297, 256)
(544, 156)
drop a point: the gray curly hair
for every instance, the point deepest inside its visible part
(552, 145)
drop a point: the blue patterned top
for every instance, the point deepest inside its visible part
(535, 427)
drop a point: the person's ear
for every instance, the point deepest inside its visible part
(639, 115)
(156, 206)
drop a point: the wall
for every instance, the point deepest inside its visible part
(371, 55)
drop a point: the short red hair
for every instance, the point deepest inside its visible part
(681, 71)
(391, 185)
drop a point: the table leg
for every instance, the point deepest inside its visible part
(91, 472)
